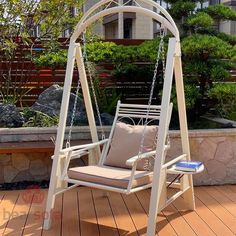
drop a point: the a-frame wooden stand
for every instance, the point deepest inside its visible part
(158, 193)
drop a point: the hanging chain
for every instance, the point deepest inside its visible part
(163, 73)
(91, 74)
(160, 55)
(68, 141)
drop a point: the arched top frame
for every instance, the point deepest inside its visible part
(92, 16)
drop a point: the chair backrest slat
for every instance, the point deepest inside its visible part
(132, 112)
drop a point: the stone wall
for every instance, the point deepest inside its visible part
(216, 148)
(16, 167)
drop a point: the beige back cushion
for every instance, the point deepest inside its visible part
(126, 144)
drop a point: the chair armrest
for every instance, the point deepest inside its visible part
(131, 161)
(84, 146)
(78, 153)
(172, 162)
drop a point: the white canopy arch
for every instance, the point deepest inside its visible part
(173, 66)
(166, 21)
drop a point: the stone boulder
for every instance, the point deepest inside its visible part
(49, 102)
(106, 118)
(10, 116)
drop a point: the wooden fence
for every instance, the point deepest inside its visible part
(27, 80)
(22, 79)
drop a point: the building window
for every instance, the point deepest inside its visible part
(213, 2)
(128, 28)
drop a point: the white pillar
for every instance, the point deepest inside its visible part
(94, 154)
(162, 132)
(58, 162)
(187, 179)
(120, 23)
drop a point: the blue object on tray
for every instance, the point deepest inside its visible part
(188, 165)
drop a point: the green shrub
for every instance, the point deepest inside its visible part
(38, 119)
(191, 95)
(231, 39)
(207, 70)
(147, 51)
(196, 45)
(181, 8)
(200, 20)
(107, 98)
(52, 59)
(125, 54)
(101, 51)
(225, 95)
(222, 12)
(234, 53)
(219, 73)
(133, 71)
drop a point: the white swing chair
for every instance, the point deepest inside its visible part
(133, 157)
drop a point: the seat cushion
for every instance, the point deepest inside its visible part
(126, 144)
(111, 176)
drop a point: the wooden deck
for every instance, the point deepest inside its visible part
(87, 212)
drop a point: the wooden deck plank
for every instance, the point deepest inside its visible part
(6, 209)
(19, 215)
(2, 194)
(70, 214)
(216, 225)
(88, 218)
(137, 213)
(35, 216)
(56, 218)
(192, 218)
(106, 222)
(227, 191)
(122, 218)
(222, 200)
(83, 211)
(232, 187)
(177, 221)
(163, 226)
(217, 209)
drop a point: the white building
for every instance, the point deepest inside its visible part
(123, 25)
(228, 27)
(136, 26)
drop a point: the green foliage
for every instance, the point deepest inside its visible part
(197, 45)
(200, 20)
(147, 51)
(19, 18)
(118, 54)
(182, 8)
(101, 51)
(219, 73)
(191, 95)
(208, 70)
(225, 94)
(221, 12)
(125, 54)
(18, 21)
(234, 54)
(38, 119)
(52, 59)
(106, 98)
(231, 39)
(133, 71)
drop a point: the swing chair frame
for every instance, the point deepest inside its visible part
(158, 200)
